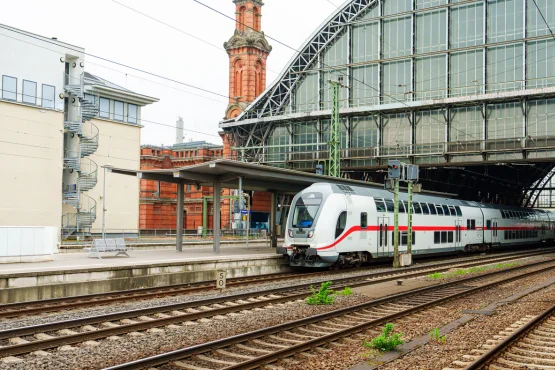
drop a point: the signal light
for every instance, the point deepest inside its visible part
(394, 169)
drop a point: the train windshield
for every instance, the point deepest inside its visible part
(306, 209)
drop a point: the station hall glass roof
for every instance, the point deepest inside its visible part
(465, 89)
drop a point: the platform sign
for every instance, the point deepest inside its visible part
(245, 212)
(221, 279)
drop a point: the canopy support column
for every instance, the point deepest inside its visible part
(273, 226)
(216, 216)
(179, 218)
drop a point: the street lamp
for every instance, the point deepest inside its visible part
(108, 167)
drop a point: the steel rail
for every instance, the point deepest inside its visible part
(12, 310)
(288, 294)
(276, 355)
(511, 339)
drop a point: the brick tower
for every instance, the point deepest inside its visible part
(248, 51)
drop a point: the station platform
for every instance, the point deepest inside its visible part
(72, 274)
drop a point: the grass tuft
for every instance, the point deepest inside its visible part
(472, 270)
(386, 341)
(323, 296)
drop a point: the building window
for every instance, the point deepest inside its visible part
(104, 111)
(118, 110)
(48, 96)
(9, 88)
(132, 111)
(29, 92)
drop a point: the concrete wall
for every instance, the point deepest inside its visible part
(31, 149)
(119, 145)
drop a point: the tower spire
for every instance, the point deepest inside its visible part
(248, 51)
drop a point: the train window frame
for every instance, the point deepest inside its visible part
(417, 208)
(446, 210)
(437, 237)
(468, 224)
(473, 224)
(401, 204)
(459, 211)
(425, 209)
(450, 237)
(453, 211)
(432, 207)
(380, 205)
(338, 229)
(389, 205)
(439, 210)
(363, 220)
(488, 224)
(443, 237)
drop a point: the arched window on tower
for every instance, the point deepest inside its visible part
(238, 80)
(258, 80)
(256, 14)
(241, 18)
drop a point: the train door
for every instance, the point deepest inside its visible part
(480, 229)
(458, 234)
(383, 242)
(494, 230)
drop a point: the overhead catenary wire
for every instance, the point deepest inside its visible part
(177, 29)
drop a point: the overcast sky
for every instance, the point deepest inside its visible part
(110, 30)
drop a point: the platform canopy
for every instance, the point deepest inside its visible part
(224, 173)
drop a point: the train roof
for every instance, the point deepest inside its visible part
(382, 193)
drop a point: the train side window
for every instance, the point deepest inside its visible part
(425, 209)
(364, 220)
(502, 214)
(437, 239)
(341, 223)
(473, 224)
(488, 225)
(389, 205)
(432, 208)
(444, 236)
(439, 210)
(452, 210)
(417, 208)
(505, 234)
(380, 205)
(468, 224)
(450, 237)
(459, 212)
(446, 210)
(401, 207)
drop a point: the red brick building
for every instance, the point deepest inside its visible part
(248, 51)
(157, 208)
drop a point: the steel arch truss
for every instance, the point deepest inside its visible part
(537, 188)
(274, 99)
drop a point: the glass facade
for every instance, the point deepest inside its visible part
(406, 64)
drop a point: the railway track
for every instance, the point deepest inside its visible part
(260, 347)
(46, 336)
(527, 344)
(13, 310)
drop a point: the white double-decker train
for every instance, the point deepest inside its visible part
(341, 225)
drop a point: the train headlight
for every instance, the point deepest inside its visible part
(290, 232)
(311, 233)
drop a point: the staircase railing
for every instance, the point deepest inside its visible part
(74, 85)
(88, 176)
(89, 139)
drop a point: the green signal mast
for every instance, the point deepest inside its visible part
(334, 168)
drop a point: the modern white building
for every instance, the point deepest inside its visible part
(58, 126)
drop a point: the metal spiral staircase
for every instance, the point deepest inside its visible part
(73, 195)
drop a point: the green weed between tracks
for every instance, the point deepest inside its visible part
(472, 270)
(325, 295)
(386, 341)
